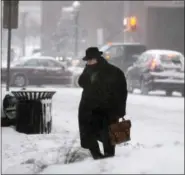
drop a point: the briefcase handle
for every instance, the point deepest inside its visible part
(123, 119)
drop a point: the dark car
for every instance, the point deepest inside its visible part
(37, 71)
(122, 55)
(157, 70)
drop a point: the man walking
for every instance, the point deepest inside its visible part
(103, 102)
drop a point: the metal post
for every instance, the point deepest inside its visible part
(123, 22)
(24, 15)
(127, 5)
(76, 33)
(9, 46)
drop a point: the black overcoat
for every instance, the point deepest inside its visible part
(103, 99)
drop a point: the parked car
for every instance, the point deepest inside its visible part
(37, 70)
(8, 110)
(122, 55)
(157, 70)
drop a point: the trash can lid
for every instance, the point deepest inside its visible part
(36, 89)
(34, 94)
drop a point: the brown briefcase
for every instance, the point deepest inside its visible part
(120, 132)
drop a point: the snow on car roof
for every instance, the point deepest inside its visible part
(23, 59)
(159, 52)
(37, 57)
(125, 43)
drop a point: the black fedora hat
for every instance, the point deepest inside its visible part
(92, 52)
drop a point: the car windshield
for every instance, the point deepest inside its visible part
(171, 59)
(104, 48)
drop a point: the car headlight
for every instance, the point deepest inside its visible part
(59, 58)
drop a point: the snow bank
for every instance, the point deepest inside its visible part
(128, 161)
(157, 144)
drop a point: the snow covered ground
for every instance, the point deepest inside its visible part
(157, 144)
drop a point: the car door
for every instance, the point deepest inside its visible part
(116, 55)
(34, 71)
(54, 70)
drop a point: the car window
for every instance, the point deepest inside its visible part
(56, 64)
(170, 59)
(104, 48)
(31, 63)
(53, 64)
(48, 63)
(133, 50)
(120, 51)
(43, 63)
(115, 51)
(148, 57)
(141, 59)
(112, 51)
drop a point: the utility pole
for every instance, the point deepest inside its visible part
(9, 47)
(10, 21)
(76, 10)
(76, 33)
(127, 8)
(123, 21)
(24, 16)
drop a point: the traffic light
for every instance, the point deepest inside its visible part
(10, 7)
(132, 23)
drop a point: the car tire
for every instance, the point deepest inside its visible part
(144, 88)
(20, 80)
(75, 81)
(129, 85)
(169, 93)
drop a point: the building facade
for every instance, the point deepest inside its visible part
(157, 20)
(93, 15)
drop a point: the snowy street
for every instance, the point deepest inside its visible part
(157, 144)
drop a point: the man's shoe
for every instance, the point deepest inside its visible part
(97, 155)
(108, 155)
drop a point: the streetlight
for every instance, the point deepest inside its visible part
(24, 31)
(76, 6)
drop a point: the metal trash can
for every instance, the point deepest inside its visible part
(34, 111)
